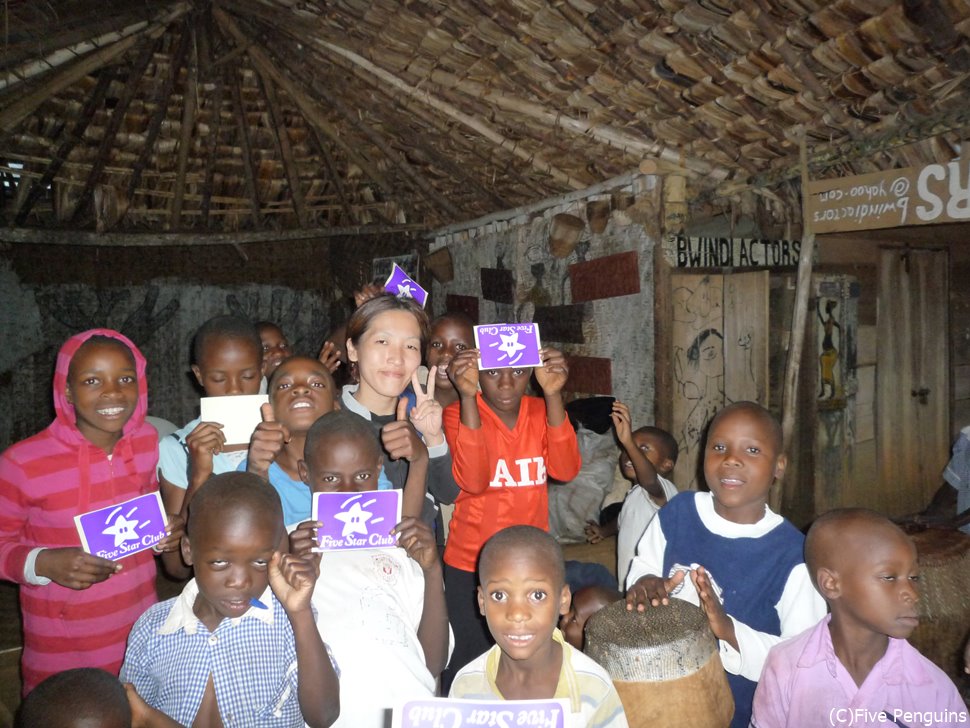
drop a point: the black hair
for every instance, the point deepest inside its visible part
(667, 441)
(459, 316)
(230, 493)
(276, 372)
(81, 694)
(224, 327)
(99, 340)
(524, 538)
(364, 316)
(828, 534)
(344, 424)
(774, 426)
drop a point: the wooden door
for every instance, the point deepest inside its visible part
(719, 338)
(912, 377)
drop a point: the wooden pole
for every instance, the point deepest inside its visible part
(333, 175)
(15, 112)
(796, 343)
(209, 75)
(284, 147)
(242, 128)
(189, 102)
(33, 236)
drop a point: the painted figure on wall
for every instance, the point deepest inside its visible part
(829, 356)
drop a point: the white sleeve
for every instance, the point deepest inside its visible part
(30, 569)
(649, 558)
(799, 608)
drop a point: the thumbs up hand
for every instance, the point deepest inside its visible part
(400, 439)
(267, 441)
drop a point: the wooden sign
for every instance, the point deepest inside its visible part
(935, 193)
(684, 252)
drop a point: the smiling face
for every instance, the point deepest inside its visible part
(230, 553)
(275, 346)
(387, 353)
(875, 584)
(342, 464)
(522, 600)
(742, 461)
(229, 365)
(301, 390)
(449, 337)
(503, 389)
(102, 384)
(651, 446)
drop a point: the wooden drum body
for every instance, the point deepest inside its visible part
(664, 663)
(944, 603)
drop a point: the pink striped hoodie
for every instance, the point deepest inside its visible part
(45, 481)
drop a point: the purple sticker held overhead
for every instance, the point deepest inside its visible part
(454, 713)
(357, 521)
(123, 529)
(508, 345)
(402, 285)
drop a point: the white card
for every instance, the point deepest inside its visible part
(238, 415)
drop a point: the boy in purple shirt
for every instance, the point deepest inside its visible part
(855, 667)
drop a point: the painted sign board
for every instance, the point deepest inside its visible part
(936, 193)
(711, 252)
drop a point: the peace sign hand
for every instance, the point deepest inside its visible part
(426, 415)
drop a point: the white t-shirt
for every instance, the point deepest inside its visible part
(637, 512)
(369, 606)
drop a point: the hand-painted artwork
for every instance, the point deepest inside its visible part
(828, 359)
(720, 355)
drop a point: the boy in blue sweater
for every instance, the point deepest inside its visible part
(728, 553)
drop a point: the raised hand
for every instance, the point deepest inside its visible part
(400, 439)
(415, 537)
(267, 442)
(73, 568)
(173, 534)
(553, 373)
(426, 415)
(205, 440)
(652, 590)
(304, 538)
(463, 373)
(366, 293)
(622, 423)
(330, 356)
(292, 578)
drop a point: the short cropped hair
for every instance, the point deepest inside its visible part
(524, 538)
(276, 372)
(364, 316)
(667, 441)
(344, 424)
(460, 316)
(65, 699)
(768, 419)
(224, 327)
(232, 492)
(827, 535)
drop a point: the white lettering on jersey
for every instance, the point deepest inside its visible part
(531, 471)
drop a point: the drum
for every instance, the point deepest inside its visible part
(664, 663)
(944, 604)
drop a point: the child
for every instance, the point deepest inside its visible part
(301, 390)
(649, 455)
(78, 608)
(451, 334)
(744, 562)
(228, 356)
(78, 698)
(856, 664)
(585, 603)
(275, 346)
(385, 338)
(522, 594)
(503, 444)
(382, 611)
(231, 650)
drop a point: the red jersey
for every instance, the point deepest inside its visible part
(502, 474)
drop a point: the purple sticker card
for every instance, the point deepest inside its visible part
(357, 521)
(402, 285)
(508, 345)
(123, 529)
(455, 713)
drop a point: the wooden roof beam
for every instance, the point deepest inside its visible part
(283, 146)
(209, 74)
(91, 106)
(242, 127)
(15, 112)
(334, 176)
(190, 101)
(135, 74)
(309, 107)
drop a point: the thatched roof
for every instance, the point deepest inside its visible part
(250, 114)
